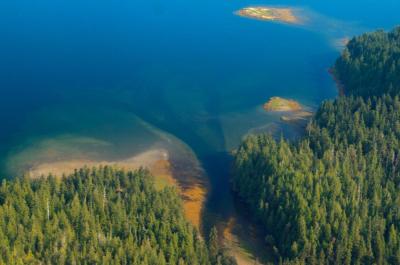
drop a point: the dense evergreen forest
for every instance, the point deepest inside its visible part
(98, 216)
(333, 197)
(370, 64)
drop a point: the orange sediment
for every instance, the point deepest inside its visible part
(166, 171)
(193, 200)
(193, 195)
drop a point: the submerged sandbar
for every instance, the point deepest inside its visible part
(169, 160)
(285, 15)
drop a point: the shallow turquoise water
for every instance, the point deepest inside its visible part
(191, 68)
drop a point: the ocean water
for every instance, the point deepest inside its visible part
(98, 70)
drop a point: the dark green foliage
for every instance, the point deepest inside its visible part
(98, 216)
(333, 197)
(218, 255)
(370, 64)
(213, 244)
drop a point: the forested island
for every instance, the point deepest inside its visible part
(333, 197)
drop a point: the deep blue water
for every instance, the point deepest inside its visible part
(191, 68)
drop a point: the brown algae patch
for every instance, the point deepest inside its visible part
(193, 200)
(285, 15)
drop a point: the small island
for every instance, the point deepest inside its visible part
(285, 15)
(293, 111)
(281, 104)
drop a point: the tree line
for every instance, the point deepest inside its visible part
(370, 64)
(98, 216)
(333, 197)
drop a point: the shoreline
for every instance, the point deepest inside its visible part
(166, 169)
(339, 85)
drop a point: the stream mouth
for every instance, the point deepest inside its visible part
(240, 233)
(219, 206)
(242, 237)
(99, 81)
(201, 170)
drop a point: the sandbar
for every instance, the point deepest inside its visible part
(281, 105)
(285, 15)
